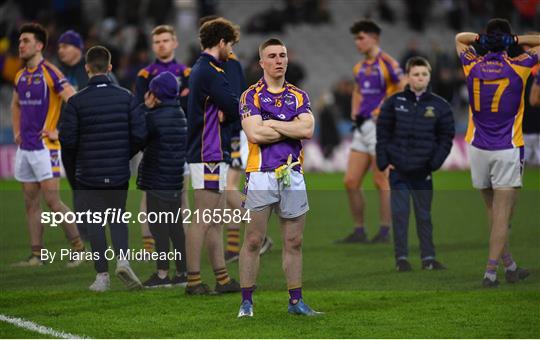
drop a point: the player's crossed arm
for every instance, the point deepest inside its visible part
(259, 133)
(301, 127)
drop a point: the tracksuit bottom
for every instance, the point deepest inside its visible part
(421, 190)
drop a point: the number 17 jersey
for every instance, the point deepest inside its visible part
(496, 85)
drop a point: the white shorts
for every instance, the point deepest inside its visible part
(209, 176)
(496, 168)
(365, 139)
(263, 189)
(36, 165)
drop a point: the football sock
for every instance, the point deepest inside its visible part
(509, 263)
(384, 230)
(193, 279)
(36, 251)
(222, 277)
(491, 270)
(295, 294)
(247, 293)
(149, 243)
(76, 244)
(359, 230)
(233, 239)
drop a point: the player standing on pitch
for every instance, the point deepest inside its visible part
(377, 77)
(211, 104)
(496, 85)
(37, 97)
(164, 43)
(276, 117)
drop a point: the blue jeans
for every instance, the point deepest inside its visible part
(421, 190)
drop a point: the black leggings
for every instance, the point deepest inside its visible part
(166, 230)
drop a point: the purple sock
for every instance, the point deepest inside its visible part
(491, 267)
(295, 294)
(359, 230)
(247, 294)
(384, 230)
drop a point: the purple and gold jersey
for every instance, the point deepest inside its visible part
(285, 106)
(39, 99)
(145, 76)
(496, 85)
(377, 80)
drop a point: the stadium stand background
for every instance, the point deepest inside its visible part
(322, 51)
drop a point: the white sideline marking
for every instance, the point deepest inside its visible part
(34, 327)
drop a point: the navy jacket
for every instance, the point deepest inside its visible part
(414, 135)
(162, 165)
(100, 131)
(235, 75)
(210, 92)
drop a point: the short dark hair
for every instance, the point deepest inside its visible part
(270, 42)
(366, 26)
(213, 31)
(417, 61)
(98, 59)
(39, 32)
(498, 25)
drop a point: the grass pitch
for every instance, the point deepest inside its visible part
(355, 285)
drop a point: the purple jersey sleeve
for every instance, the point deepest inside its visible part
(468, 56)
(249, 104)
(305, 105)
(528, 59)
(58, 79)
(394, 70)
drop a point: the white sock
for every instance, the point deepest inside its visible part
(491, 276)
(511, 267)
(122, 263)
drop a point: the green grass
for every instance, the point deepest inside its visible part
(355, 285)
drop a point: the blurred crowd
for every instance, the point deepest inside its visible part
(123, 26)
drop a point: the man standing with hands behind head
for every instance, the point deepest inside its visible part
(101, 131)
(496, 85)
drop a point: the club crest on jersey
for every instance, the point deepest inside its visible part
(245, 111)
(429, 113)
(289, 100)
(37, 80)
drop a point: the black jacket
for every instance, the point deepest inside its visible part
(100, 131)
(414, 135)
(162, 165)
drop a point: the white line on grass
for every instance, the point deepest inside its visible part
(34, 327)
